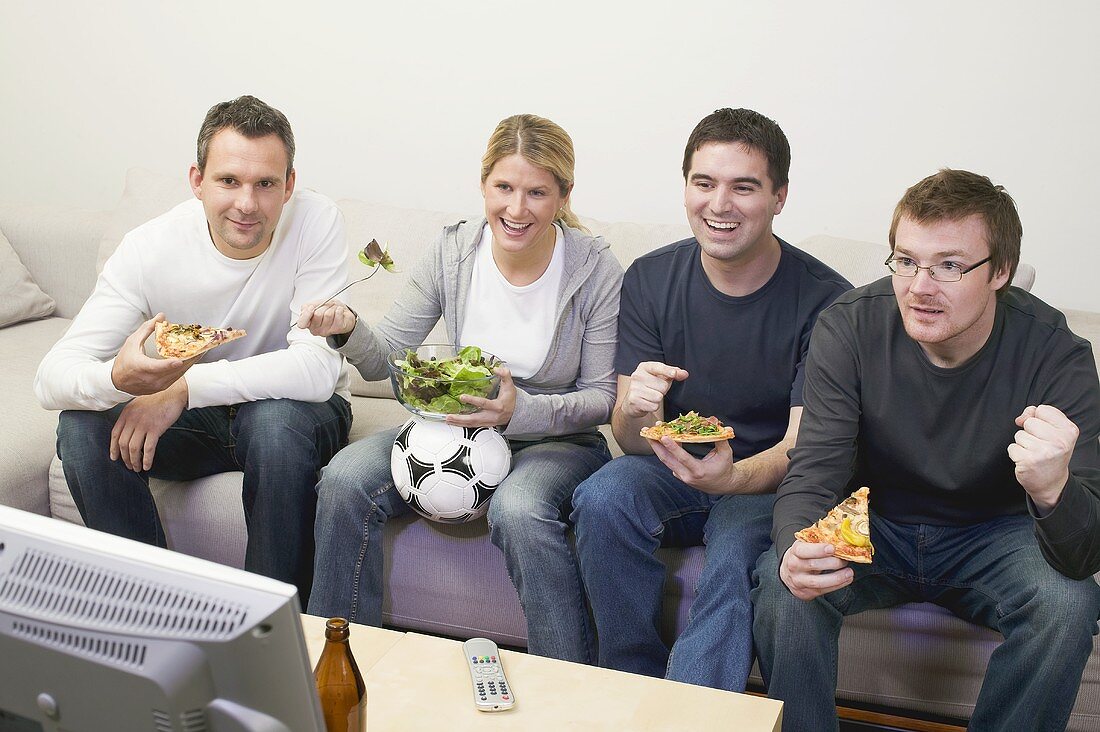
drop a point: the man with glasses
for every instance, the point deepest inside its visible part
(972, 413)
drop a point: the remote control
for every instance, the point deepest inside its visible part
(492, 692)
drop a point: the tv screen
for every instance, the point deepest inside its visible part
(103, 633)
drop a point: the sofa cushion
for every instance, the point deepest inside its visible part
(145, 196)
(629, 240)
(28, 432)
(23, 299)
(1085, 324)
(58, 246)
(203, 517)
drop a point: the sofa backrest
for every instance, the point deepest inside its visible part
(58, 247)
(408, 232)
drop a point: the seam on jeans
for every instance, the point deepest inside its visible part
(230, 414)
(359, 562)
(361, 558)
(191, 430)
(993, 599)
(661, 528)
(869, 572)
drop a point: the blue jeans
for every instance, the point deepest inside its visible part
(992, 574)
(279, 444)
(622, 514)
(356, 497)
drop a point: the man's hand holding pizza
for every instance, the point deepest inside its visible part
(143, 421)
(136, 373)
(715, 473)
(1042, 450)
(810, 570)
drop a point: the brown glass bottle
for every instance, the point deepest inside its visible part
(339, 683)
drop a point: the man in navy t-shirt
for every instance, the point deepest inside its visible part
(719, 324)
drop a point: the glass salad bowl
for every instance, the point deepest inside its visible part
(428, 380)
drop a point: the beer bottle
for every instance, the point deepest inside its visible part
(339, 683)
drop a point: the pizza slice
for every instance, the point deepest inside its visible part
(689, 427)
(847, 527)
(175, 340)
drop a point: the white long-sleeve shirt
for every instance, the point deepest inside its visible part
(170, 265)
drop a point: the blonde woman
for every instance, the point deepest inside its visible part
(527, 284)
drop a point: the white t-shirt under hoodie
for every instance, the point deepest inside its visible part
(513, 323)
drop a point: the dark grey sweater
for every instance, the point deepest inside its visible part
(931, 442)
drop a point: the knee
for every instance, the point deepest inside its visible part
(78, 430)
(513, 509)
(352, 479)
(1062, 607)
(275, 425)
(770, 597)
(608, 495)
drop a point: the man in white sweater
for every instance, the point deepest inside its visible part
(246, 253)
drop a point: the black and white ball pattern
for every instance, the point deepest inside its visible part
(448, 473)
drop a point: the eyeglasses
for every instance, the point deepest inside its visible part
(942, 272)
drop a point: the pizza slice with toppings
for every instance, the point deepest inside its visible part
(689, 427)
(175, 340)
(847, 527)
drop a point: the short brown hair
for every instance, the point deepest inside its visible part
(748, 128)
(953, 195)
(252, 118)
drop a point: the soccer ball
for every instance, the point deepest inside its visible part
(446, 472)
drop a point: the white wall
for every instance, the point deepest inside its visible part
(394, 102)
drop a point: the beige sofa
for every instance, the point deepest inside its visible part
(916, 659)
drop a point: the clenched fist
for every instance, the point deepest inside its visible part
(1041, 451)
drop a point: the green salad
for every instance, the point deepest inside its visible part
(435, 385)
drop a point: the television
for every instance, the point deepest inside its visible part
(101, 633)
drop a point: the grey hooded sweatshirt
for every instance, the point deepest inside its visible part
(573, 390)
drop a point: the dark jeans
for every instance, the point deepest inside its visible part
(991, 574)
(279, 444)
(622, 514)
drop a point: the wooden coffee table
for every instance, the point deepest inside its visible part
(420, 682)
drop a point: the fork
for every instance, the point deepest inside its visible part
(373, 272)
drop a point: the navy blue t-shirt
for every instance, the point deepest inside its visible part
(744, 355)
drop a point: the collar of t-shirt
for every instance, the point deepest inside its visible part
(514, 323)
